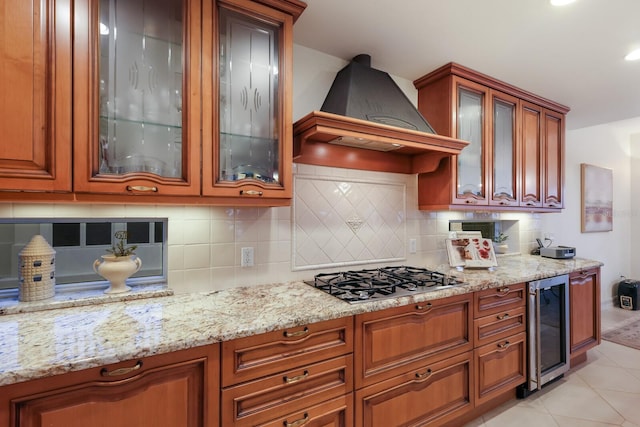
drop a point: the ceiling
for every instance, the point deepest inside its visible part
(573, 55)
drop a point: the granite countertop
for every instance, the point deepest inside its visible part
(51, 342)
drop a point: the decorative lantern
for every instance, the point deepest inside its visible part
(37, 270)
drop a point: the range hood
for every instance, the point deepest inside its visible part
(367, 122)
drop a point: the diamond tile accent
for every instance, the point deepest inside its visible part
(338, 222)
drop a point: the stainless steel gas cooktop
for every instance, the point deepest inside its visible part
(388, 282)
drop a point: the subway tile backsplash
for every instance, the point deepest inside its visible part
(204, 243)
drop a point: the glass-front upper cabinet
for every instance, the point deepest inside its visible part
(251, 122)
(503, 133)
(137, 68)
(471, 162)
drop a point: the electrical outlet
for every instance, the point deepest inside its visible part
(412, 246)
(246, 257)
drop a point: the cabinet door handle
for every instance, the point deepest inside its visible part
(296, 334)
(142, 188)
(425, 375)
(121, 371)
(503, 291)
(290, 380)
(428, 306)
(505, 345)
(302, 421)
(503, 316)
(471, 201)
(250, 193)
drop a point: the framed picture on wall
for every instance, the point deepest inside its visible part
(597, 198)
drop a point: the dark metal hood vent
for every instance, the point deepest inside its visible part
(368, 123)
(362, 92)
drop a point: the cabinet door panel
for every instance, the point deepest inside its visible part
(471, 168)
(140, 137)
(170, 396)
(35, 82)
(247, 110)
(553, 159)
(504, 133)
(531, 179)
(584, 295)
(172, 389)
(500, 366)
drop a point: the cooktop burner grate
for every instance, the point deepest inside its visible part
(364, 285)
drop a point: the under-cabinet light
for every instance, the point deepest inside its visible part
(561, 2)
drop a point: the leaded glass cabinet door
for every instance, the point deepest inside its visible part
(251, 156)
(504, 109)
(140, 76)
(471, 126)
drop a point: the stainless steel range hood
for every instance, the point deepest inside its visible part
(368, 123)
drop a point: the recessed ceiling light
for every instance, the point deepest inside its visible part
(634, 55)
(561, 2)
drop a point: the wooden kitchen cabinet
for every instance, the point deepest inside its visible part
(173, 389)
(299, 375)
(500, 342)
(394, 341)
(157, 117)
(414, 364)
(138, 131)
(584, 297)
(247, 116)
(430, 394)
(515, 157)
(35, 82)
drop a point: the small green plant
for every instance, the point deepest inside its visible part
(500, 238)
(119, 248)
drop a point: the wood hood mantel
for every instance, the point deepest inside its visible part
(410, 151)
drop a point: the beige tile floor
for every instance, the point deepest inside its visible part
(602, 392)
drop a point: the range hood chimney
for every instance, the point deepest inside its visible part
(366, 122)
(362, 92)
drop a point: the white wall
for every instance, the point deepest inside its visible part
(607, 146)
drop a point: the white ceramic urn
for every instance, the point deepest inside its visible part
(117, 269)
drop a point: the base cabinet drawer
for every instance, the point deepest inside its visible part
(500, 366)
(394, 341)
(245, 359)
(336, 412)
(500, 325)
(431, 395)
(495, 300)
(291, 391)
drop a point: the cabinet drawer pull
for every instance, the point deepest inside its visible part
(290, 380)
(505, 345)
(471, 201)
(428, 306)
(250, 193)
(503, 291)
(296, 334)
(121, 371)
(302, 421)
(424, 376)
(142, 188)
(503, 316)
